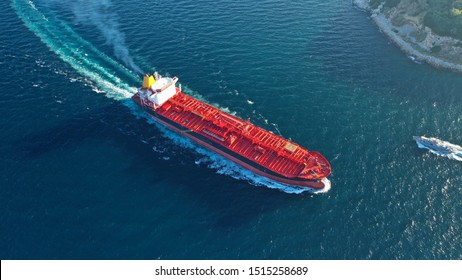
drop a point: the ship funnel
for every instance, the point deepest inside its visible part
(148, 81)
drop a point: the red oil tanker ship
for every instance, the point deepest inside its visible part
(250, 146)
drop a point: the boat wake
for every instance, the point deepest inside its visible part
(439, 147)
(106, 75)
(80, 54)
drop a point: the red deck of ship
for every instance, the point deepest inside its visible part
(252, 142)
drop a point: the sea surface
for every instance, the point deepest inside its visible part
(85, 174)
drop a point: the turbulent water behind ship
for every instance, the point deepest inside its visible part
(86, 176)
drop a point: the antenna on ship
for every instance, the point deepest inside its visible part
(157, 76)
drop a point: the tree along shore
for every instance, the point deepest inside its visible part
(404, 24)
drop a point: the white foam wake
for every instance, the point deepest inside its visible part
(74, 50)
(100, 15)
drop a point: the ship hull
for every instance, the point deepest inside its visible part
(230, 155)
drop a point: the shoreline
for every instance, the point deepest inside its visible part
(387, 28)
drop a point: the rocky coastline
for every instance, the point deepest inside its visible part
(417, 41)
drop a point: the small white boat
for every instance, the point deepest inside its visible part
(439, 147)
(414, 59)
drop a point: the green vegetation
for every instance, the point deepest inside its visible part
(430, 29)
(456, 12)
(444, 17)
(387, 3)
(391, 3)
(419, 35)
(435, 49)
(457, 5)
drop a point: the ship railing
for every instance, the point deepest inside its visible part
(209, 113)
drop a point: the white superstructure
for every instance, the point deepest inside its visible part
(158, 89)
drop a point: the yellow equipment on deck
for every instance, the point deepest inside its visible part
(148, 81)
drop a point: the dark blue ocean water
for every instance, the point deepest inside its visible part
(84, 174)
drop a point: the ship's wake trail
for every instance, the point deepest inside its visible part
(100, 14)
(104, 74)
(80, 54)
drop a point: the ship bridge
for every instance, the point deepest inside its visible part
(157, 89)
